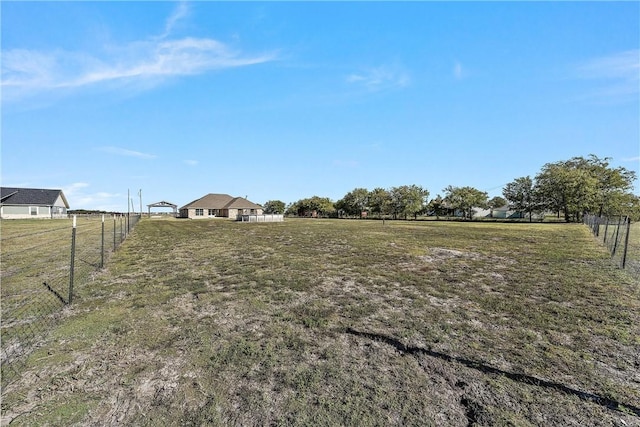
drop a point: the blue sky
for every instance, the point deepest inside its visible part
(286, 100)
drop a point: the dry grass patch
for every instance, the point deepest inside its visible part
(313, 322)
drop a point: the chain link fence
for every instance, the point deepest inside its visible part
(621, 237)
(42, 261)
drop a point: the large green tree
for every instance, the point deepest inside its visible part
(613, 184)
(566, 189)
(274, 207)
(520, 194)
(579, 185)
(354, 202)
(322, 206)
(437, 206)
(465, 199)
(408, 200)
(380, 201)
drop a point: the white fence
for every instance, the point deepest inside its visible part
(261, 218)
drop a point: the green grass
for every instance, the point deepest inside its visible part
(613, 235)
(36, 259)
(37, 251)
(326, 322)
(633, 250)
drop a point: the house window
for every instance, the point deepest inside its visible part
(34, 210)
(212, 212)
(199, 212)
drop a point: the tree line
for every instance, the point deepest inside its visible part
(568, 189)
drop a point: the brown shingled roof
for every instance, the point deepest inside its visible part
(221, 201)
(241, 203)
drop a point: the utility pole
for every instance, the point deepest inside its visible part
(140, 194)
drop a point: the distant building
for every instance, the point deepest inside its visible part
(22, 203)
(503, 212)
(219, 206)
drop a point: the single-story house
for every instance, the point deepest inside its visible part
(503, 212)
(20, 203)
(219, 205)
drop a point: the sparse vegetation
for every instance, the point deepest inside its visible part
(574, 187)
(327, 322)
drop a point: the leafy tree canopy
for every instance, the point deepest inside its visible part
(354, 202)
(380, 201)
(437, 206)
(497, 202)
(465, 199)
(274, 207)
(319, 205)
(521, 195)
(408, 200)
(581, 185)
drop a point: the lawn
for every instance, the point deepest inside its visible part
(633, 250)
(36, 264)
(340, 322)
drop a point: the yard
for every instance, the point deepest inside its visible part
(341, 322)
(633, 251)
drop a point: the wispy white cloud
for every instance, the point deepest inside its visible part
(109, 202)
(74, 188)
(79, 197)
(25, 71)
(616, 77)
(624, 65)
(380, 78)
(150, 61)
(118, 151)
(181, 12)
(631, 159)
(191, 162)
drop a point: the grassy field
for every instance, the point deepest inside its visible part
(633, 250)
(36, 259)
(328, 322)
(37, 251)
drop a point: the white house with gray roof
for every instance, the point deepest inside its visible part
(25, 203)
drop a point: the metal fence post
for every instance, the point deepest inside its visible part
(626, 243)
(102, 246)
(114, 232)
(615, 239)
(73, 255)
